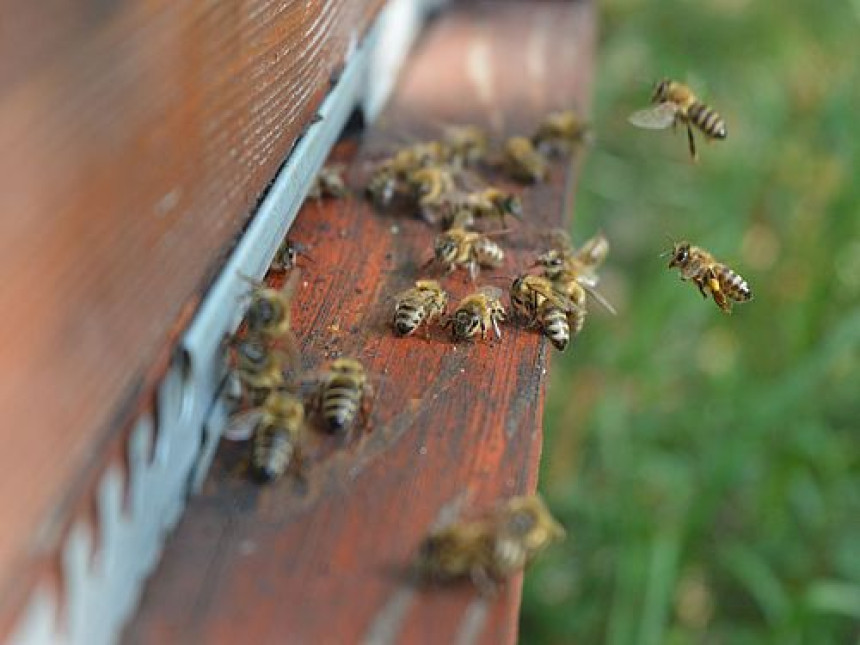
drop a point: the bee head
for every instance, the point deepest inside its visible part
(260, 313)
(680, 254)
(464, 324)
(445, 249)
(661, 91)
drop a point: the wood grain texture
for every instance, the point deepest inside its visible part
(135, 140)
(455, 428)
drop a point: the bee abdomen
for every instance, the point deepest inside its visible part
(707, 120)
(734, 285)
(271, 455)
(407, 318)
(488, 253)
(556, 328)
(340, 405)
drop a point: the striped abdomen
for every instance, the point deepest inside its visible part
(488, 253)
(272, 452)
(340, 402)
(707, 120)
(408, 315)
(732, 284)
(555, 326)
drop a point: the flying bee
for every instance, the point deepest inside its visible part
(458, 247)
(489, 550)
(523, 162)
(494, 203)
(344, 391)
(477, 312)
(537, 299)
(423, 303)
(465, 145)
(675, 103)
(329, 183)
(710, 276)
(560, 132)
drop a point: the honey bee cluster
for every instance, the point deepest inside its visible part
(441, 180)
(277, 397)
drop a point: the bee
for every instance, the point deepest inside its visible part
(523, 161)
(477, 312)
(278, 437)
(344, 391)
(560, 132)
(494, 203)
(458, 247)
(328, 183)
(710, 276)
(675, 103)
(383, 185)
(424, 302)
(268, 314)
(432, 185)
(489, 550)
(465, 145)
(287, 255)
(536, 299)
(563, 256)
(259, 368)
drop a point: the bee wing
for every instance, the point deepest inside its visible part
(594, 293)
(593, 252)
(242, 425)
(658, 117)
(491, 291)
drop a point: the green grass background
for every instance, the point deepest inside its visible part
(707, 467)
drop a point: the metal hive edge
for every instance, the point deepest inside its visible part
(105, 563)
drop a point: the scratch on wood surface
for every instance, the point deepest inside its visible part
(386, 626)
(474, 619)
(536, 56)
(480, 70)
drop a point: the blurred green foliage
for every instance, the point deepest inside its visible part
(707, 467)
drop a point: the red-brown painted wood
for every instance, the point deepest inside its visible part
(135, 139)
(454, 427)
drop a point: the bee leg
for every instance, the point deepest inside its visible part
(473, 270)
(496, 329)
(692, 143)
(487, 586)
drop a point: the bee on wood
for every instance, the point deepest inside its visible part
(523, 162)
(493, 203)
(432, 186)
(329, 183)
(278, 437)
(458, 247)
(287, 255)
(268, 314)
(536, 299)
(383, 185)
(477, 312)
(709, 275)
(259, 368)
(423, 303)
(465, 145)
(561, 132)
(675, 103)
(489, 550)
(344, 392)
